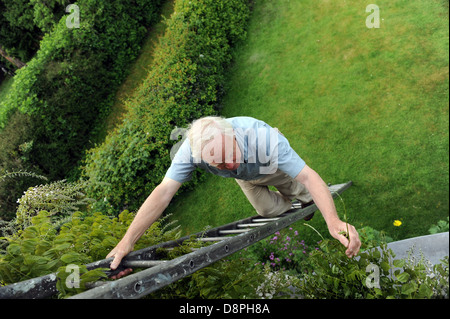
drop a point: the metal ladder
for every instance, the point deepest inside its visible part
(226, 240)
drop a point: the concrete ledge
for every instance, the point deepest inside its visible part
(432, 247)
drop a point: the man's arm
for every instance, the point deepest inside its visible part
(324, 201)
(149, 212)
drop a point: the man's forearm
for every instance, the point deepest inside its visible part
(147, 214)
(320, 194)
(325, 203)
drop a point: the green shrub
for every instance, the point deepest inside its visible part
(225, 279)
(285, 250)
(373, 237)
(60, 199)
(40, 249)
(375, 274)
(24, 22)
(14, 154)
(185, 83)
(68, 87)
(440, 227)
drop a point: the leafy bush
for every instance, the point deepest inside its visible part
(60, 199)
(24, 22)
(185, 83)
(225, 279)
(373, 237)
(374, 274)
(68, 87)
(40, 249)
(283, 251)
(440, 227)
(13, 158)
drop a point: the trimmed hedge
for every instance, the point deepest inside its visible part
(67, 89)
(185, 83)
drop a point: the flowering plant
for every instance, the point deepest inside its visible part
(283, 251)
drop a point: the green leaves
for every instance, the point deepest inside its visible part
(39, 250)
(225, 279)
(184, 84)
(72, 279)
(68, 86)
(374, 274)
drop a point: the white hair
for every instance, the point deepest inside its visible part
(203, 130)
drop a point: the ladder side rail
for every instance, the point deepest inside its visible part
(45, 286)
(35, 288)
(152, 279)
(149, 280)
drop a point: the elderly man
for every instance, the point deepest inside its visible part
(256, 156)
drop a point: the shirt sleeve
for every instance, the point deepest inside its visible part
(288, 160)
(274, 146)
(182, 165)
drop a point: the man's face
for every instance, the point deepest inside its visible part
(222, 152)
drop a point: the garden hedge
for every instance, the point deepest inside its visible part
(67, 89)
(185, 83)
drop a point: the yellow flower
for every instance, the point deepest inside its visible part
(397, 223)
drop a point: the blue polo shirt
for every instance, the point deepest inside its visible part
(264, 150)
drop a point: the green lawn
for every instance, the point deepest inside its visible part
(360, 104)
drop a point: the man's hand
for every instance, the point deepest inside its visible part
(324, 201)
(347, 235)
(120, 251)
(150, 211)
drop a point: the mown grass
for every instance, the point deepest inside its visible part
(360, 104)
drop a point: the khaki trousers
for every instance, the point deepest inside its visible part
(270, 203)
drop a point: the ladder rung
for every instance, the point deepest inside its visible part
(233, 231)
(95, 284)
(172, 248)
(211, 238)
(258, 220)
(251, 225)
(142, 263)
